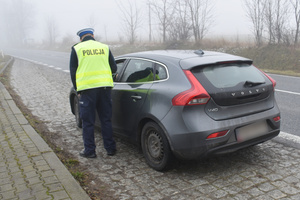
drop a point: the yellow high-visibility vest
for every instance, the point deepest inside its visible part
(93, 65)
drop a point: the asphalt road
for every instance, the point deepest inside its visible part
(287, 89)
(288, 99)
(59, 60)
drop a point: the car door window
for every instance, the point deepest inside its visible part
(161, 72)
(120, 65)
(138, 71)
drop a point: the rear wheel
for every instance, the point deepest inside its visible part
(76, 111)
(156, 148)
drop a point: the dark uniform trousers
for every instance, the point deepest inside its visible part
(91, 100)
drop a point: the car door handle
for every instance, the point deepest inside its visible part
(135, 97)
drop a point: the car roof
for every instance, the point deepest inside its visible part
(187, 58)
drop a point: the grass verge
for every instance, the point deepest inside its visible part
(277, 59)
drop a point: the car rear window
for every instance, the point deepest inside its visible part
(230, 75)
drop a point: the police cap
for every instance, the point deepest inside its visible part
(82, 32)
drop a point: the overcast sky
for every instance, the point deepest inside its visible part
(72, 15)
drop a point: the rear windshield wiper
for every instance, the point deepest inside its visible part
(252, 84)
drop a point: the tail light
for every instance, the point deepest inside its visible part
(196, 95)
(269, 77)
(276, 119)
(217, 134)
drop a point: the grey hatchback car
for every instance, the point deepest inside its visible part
(190, 104)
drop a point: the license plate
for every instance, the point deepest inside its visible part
(251, 131)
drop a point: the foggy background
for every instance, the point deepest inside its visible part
(32, 20)
(48, 24)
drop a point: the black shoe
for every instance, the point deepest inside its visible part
(111, 152)
(83, 154)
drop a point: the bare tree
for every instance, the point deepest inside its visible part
(105, 32)
(201, 17)
(269, 20)
(181, 26)
(149, 18)
(276, 19)
(281, 8)
(164, 10)
(296, 13)
(255, 10)
(51, 30)
(131, 18)
(19, 17)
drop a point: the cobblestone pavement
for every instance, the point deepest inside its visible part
(29, 169)
(266, 171)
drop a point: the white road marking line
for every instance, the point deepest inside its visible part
(289, 92)
(44, 64)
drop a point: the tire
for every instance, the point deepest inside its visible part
(156, 148)
(76, 111)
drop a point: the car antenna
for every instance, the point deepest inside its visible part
(199, 52)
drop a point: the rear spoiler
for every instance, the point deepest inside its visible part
(208, 58)
(236, 61)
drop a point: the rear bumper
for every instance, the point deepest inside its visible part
(221, 148)
(188, 135)
(236, 146)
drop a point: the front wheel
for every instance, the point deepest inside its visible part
(156, 148)
(76, 111)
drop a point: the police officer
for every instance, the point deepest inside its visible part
(91, 68)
